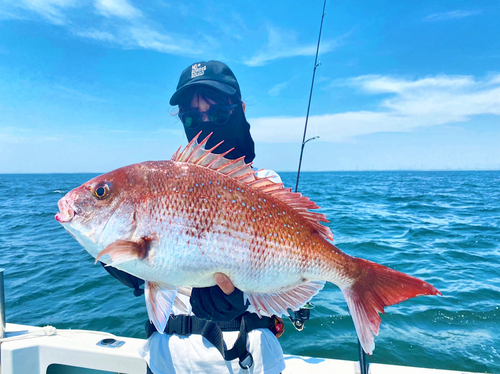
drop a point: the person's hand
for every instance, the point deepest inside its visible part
(220, 303)
(224, 283)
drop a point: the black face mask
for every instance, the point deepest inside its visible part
(235, 133)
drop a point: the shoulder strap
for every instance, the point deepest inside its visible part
(239, 349)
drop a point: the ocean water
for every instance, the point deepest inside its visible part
(443, 227)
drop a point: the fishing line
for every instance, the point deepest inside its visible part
(363, 364)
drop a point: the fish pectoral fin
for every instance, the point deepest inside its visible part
(159, 302)
(125, 250)
(277, 303)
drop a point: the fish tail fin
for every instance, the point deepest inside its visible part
(375, 287)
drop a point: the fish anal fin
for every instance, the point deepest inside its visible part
(378, 287)
(179, 304)
(195, 153)
(125, 250)
(159, 302)
(186, 291)
(277, 303)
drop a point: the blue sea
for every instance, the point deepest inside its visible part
(443, 227)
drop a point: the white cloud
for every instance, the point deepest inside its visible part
(455, 14)
(120, 23)
(97, 35)
(123, 25)
(117, 8)
(282, 44)
(416, 103)
(143, 36)
(380, 84)
(146, 38)
(275, 91)
(51, 10)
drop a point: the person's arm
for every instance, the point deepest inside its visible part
(127, 279)
(222, 302)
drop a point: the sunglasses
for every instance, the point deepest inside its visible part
(218, 114)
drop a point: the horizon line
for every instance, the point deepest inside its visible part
(288, 171)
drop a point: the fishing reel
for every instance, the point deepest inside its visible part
(299, 317)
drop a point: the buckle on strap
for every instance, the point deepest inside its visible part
(247, 361)
(239, 349)
(180, 325)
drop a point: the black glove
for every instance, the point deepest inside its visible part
(213, 304)
(127, 279)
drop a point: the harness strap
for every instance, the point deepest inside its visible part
(239, 349)
(212, 331)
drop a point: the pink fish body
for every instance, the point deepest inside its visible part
(176, 223)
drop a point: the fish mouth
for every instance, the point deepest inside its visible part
(66, 212)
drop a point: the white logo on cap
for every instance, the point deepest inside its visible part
(197, 70)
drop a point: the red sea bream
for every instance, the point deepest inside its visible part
(176, 223)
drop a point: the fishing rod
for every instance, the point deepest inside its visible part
(316, 64)
(303, 313)
(299, 317)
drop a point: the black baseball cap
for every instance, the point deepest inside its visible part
(214, 74)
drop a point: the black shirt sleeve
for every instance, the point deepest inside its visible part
(127, 279)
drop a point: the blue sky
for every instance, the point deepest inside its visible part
(84, 85)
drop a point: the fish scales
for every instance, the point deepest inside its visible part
(251, 235)
(176, 223)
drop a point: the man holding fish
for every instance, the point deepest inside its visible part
(209, 100)
(204, 222)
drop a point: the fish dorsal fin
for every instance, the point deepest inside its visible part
(196, 153)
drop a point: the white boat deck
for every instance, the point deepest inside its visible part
(27, 350)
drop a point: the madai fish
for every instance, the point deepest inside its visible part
(176, 223)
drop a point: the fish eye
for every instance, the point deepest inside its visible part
(101, 191)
